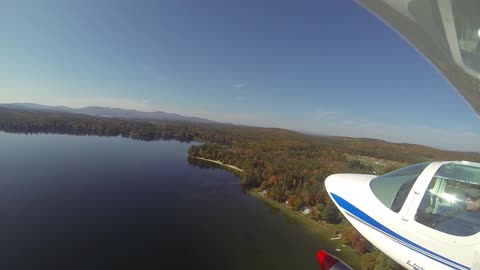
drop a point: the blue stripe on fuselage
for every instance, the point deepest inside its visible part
(362, 216)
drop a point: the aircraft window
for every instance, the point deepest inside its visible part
(467, 26)
(451, 203)
(392, 188)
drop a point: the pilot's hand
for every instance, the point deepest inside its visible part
(472, 205)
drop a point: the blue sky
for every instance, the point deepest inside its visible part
(324, 67)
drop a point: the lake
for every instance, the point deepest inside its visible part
(86, 202)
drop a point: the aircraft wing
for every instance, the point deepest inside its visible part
(447, 32)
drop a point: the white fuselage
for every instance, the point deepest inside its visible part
(411, 244)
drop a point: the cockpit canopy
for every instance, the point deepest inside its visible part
(392, 188)
(451, 203)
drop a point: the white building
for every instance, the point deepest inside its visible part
(305, 210)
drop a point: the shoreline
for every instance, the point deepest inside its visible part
(323, 231)
(218, 162)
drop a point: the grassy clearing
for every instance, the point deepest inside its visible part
(380, 165)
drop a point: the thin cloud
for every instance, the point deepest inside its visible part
(240, 92)
(239, 85)
(324, 114)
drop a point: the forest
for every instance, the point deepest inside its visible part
(287, 166)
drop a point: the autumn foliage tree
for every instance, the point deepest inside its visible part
(353, 238)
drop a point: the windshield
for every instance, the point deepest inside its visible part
(451, 203)
(392, 188)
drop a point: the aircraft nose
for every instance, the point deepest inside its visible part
(336, 183)
(344, 184)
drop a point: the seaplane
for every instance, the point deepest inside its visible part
(427, 215)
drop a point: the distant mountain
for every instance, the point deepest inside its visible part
(108, 112)
(33, 106)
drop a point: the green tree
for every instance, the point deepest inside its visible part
(330, 213)
(250, 179)
(385, 263)
(369, 261)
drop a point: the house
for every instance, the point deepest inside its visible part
(305, 210)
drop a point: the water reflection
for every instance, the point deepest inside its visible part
(109, 203)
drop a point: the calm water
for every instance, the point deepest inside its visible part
(70, 202)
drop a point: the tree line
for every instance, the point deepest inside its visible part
(289, 167)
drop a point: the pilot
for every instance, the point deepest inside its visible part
(467, 222)
(473, 200)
